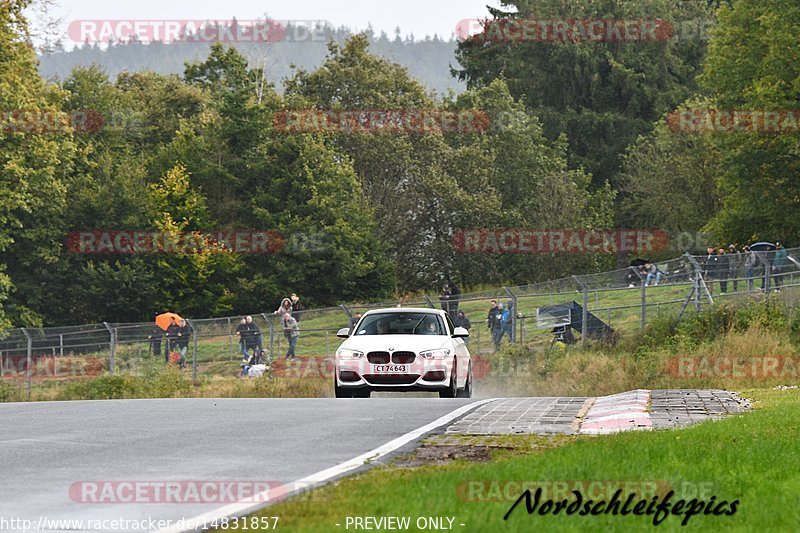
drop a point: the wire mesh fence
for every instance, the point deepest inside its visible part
(623, 300)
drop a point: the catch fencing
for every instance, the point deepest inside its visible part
(624, 299)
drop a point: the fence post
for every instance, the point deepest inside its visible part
(61, 344)
(230, 340)
(585, 312)
(643, 321)
(698, 274)
(112, 348)
(767, 273)
(271, 335)
(194, 346)
(513, 316)
(30, 360)
(696, 283)
(326, 343)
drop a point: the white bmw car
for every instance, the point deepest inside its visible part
(403, 349)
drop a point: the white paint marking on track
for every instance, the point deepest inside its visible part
(318, 479)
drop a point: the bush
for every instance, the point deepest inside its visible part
(794, 331)
(6, 392)
(102, 388)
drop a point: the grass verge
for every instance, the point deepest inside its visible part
(752, 458)
(158, 381)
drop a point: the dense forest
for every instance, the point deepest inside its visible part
(428, 60)
(578, 136)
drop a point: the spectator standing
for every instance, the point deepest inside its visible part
(734, 263)
(156, 334)
(241, 332)
(768, 260)
(254, 339)
(297, 307)
(710, 268)
(354, 321)
(778, 265)
(490, 315)
(497, 326)
(184, 334)
(286, 307)
(462, 321)
(444, 298)
(291, 331)
(723, 268)
(455, 299)
(750, 263)
(508, 321)
(172, 338)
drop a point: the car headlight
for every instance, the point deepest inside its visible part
(346, 353)
(443, 353)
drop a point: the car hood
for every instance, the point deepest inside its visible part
(416, 343)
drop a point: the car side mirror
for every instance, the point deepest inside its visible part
(343, 333)
(460, 332)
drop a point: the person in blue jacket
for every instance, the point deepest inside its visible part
(508, 321)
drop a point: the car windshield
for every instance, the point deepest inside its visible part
(401, 324)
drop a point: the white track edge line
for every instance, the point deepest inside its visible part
(321, 477)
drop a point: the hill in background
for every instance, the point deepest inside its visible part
(427, 60)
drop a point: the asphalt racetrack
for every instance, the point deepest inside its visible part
(53, 452)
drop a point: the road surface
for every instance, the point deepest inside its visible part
(48, 449)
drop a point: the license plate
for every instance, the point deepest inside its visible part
(394, 369)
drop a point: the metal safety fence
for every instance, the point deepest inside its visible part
(622, 299)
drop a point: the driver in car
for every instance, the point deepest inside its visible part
(382, 327)
(430, 329)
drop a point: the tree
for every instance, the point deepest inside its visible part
(420, 189)
(603, 95)
(668, 182)
(197, 282)
(753, 64)
(35, 156)
(536, 188)
(297, 186)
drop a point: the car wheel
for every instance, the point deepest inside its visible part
(466, 392)
(452, 390)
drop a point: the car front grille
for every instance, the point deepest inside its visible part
(378, 358)
(391, 379)
(403, 358)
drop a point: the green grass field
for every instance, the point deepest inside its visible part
(752, 458)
